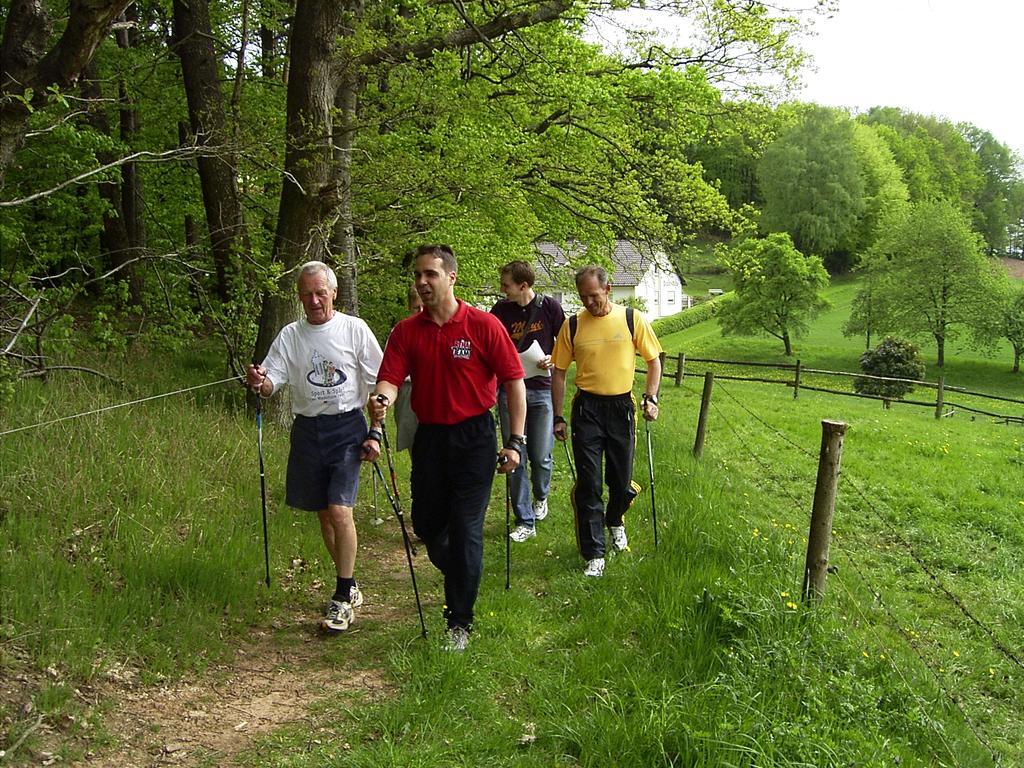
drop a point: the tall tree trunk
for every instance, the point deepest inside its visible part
(27, 68)
(131, 180)
(114, 242)
(1016, 360)
(344, 236)
(940, 342)
(200, 66)
(309, 194)
(789, 344)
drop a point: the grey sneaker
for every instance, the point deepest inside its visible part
(619, 540)
(594, 567)
(339, 616)
(521, 533)
(540, 509)
(456, 639)
(355, 597)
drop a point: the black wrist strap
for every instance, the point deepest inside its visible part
(559, 420)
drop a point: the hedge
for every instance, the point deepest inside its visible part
(690, 317)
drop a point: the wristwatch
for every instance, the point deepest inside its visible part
(516, 442)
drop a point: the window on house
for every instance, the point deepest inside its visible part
(670, 297)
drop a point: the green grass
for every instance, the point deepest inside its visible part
(132, 543)
(697, 284)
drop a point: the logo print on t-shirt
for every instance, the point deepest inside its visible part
(461, 349)
(324, 373)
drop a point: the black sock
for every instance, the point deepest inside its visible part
(343, 589)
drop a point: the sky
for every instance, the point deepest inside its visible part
(962, 60)
(949, 58)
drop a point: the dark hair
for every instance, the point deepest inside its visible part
(442, 252)
(592, 270)
(520, 272)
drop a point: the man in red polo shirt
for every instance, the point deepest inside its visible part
(456, 356)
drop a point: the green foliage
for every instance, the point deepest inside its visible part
(813, 183)
(893, 358)
(930, 278)
(777, 289)
(1013, 323)
(937, 161)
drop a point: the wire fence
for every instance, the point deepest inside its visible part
(800, 378)
(767, 480)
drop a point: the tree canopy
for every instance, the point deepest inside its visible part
(778, 289)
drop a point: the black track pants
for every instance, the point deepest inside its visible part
(452, 472)
(602, 427)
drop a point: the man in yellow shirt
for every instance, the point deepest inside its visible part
(604, 341)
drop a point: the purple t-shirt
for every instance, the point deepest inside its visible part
(546, 321)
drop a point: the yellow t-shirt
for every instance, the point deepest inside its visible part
(604, 352)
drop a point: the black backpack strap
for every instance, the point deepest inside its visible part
(629, 320)
(573, 321)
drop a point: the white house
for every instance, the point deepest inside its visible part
(640, 272)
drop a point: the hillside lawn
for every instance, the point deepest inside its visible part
(132, 560)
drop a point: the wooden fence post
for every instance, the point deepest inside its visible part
(680, 367)
(829, 459)
(939, 396)
(702, 420)
(796, 381)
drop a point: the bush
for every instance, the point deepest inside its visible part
(895, 358)
(690, 317)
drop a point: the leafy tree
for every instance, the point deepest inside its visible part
(893, 358)
(886, 197)
(937, 161)
(932, 277)
(869, 315)
(1013, 323)
(813, 185)
(777, 289)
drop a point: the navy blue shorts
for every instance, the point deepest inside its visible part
(324, 461)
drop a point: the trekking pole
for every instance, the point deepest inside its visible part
(396, 505)
(263, 484)
(568, 458)
(508, 531)
(650, 466)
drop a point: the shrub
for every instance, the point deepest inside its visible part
(893, 357)
(690, 317)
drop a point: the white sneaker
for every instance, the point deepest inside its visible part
(355, 597)
(339, 616)
(521, 533)
(540, 509)
(456, 639)
(594, 567)
(619, 540)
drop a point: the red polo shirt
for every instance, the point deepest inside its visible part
(455, 367)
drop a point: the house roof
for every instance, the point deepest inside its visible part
(630, 260)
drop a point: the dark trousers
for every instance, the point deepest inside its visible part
(602, 427)
(452, 472)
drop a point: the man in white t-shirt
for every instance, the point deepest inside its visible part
(330, 362)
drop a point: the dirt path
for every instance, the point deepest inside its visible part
(1015, 267)
(274, 679)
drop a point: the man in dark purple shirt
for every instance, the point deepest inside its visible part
(530, 318)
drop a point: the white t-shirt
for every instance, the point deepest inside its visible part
(332, 368)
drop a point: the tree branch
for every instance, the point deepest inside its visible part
(459, 38)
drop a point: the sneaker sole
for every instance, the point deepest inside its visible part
(324, 624)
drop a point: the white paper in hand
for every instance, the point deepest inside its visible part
(529, 357)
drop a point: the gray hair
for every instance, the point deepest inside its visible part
(316, 267)
(592, 270)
